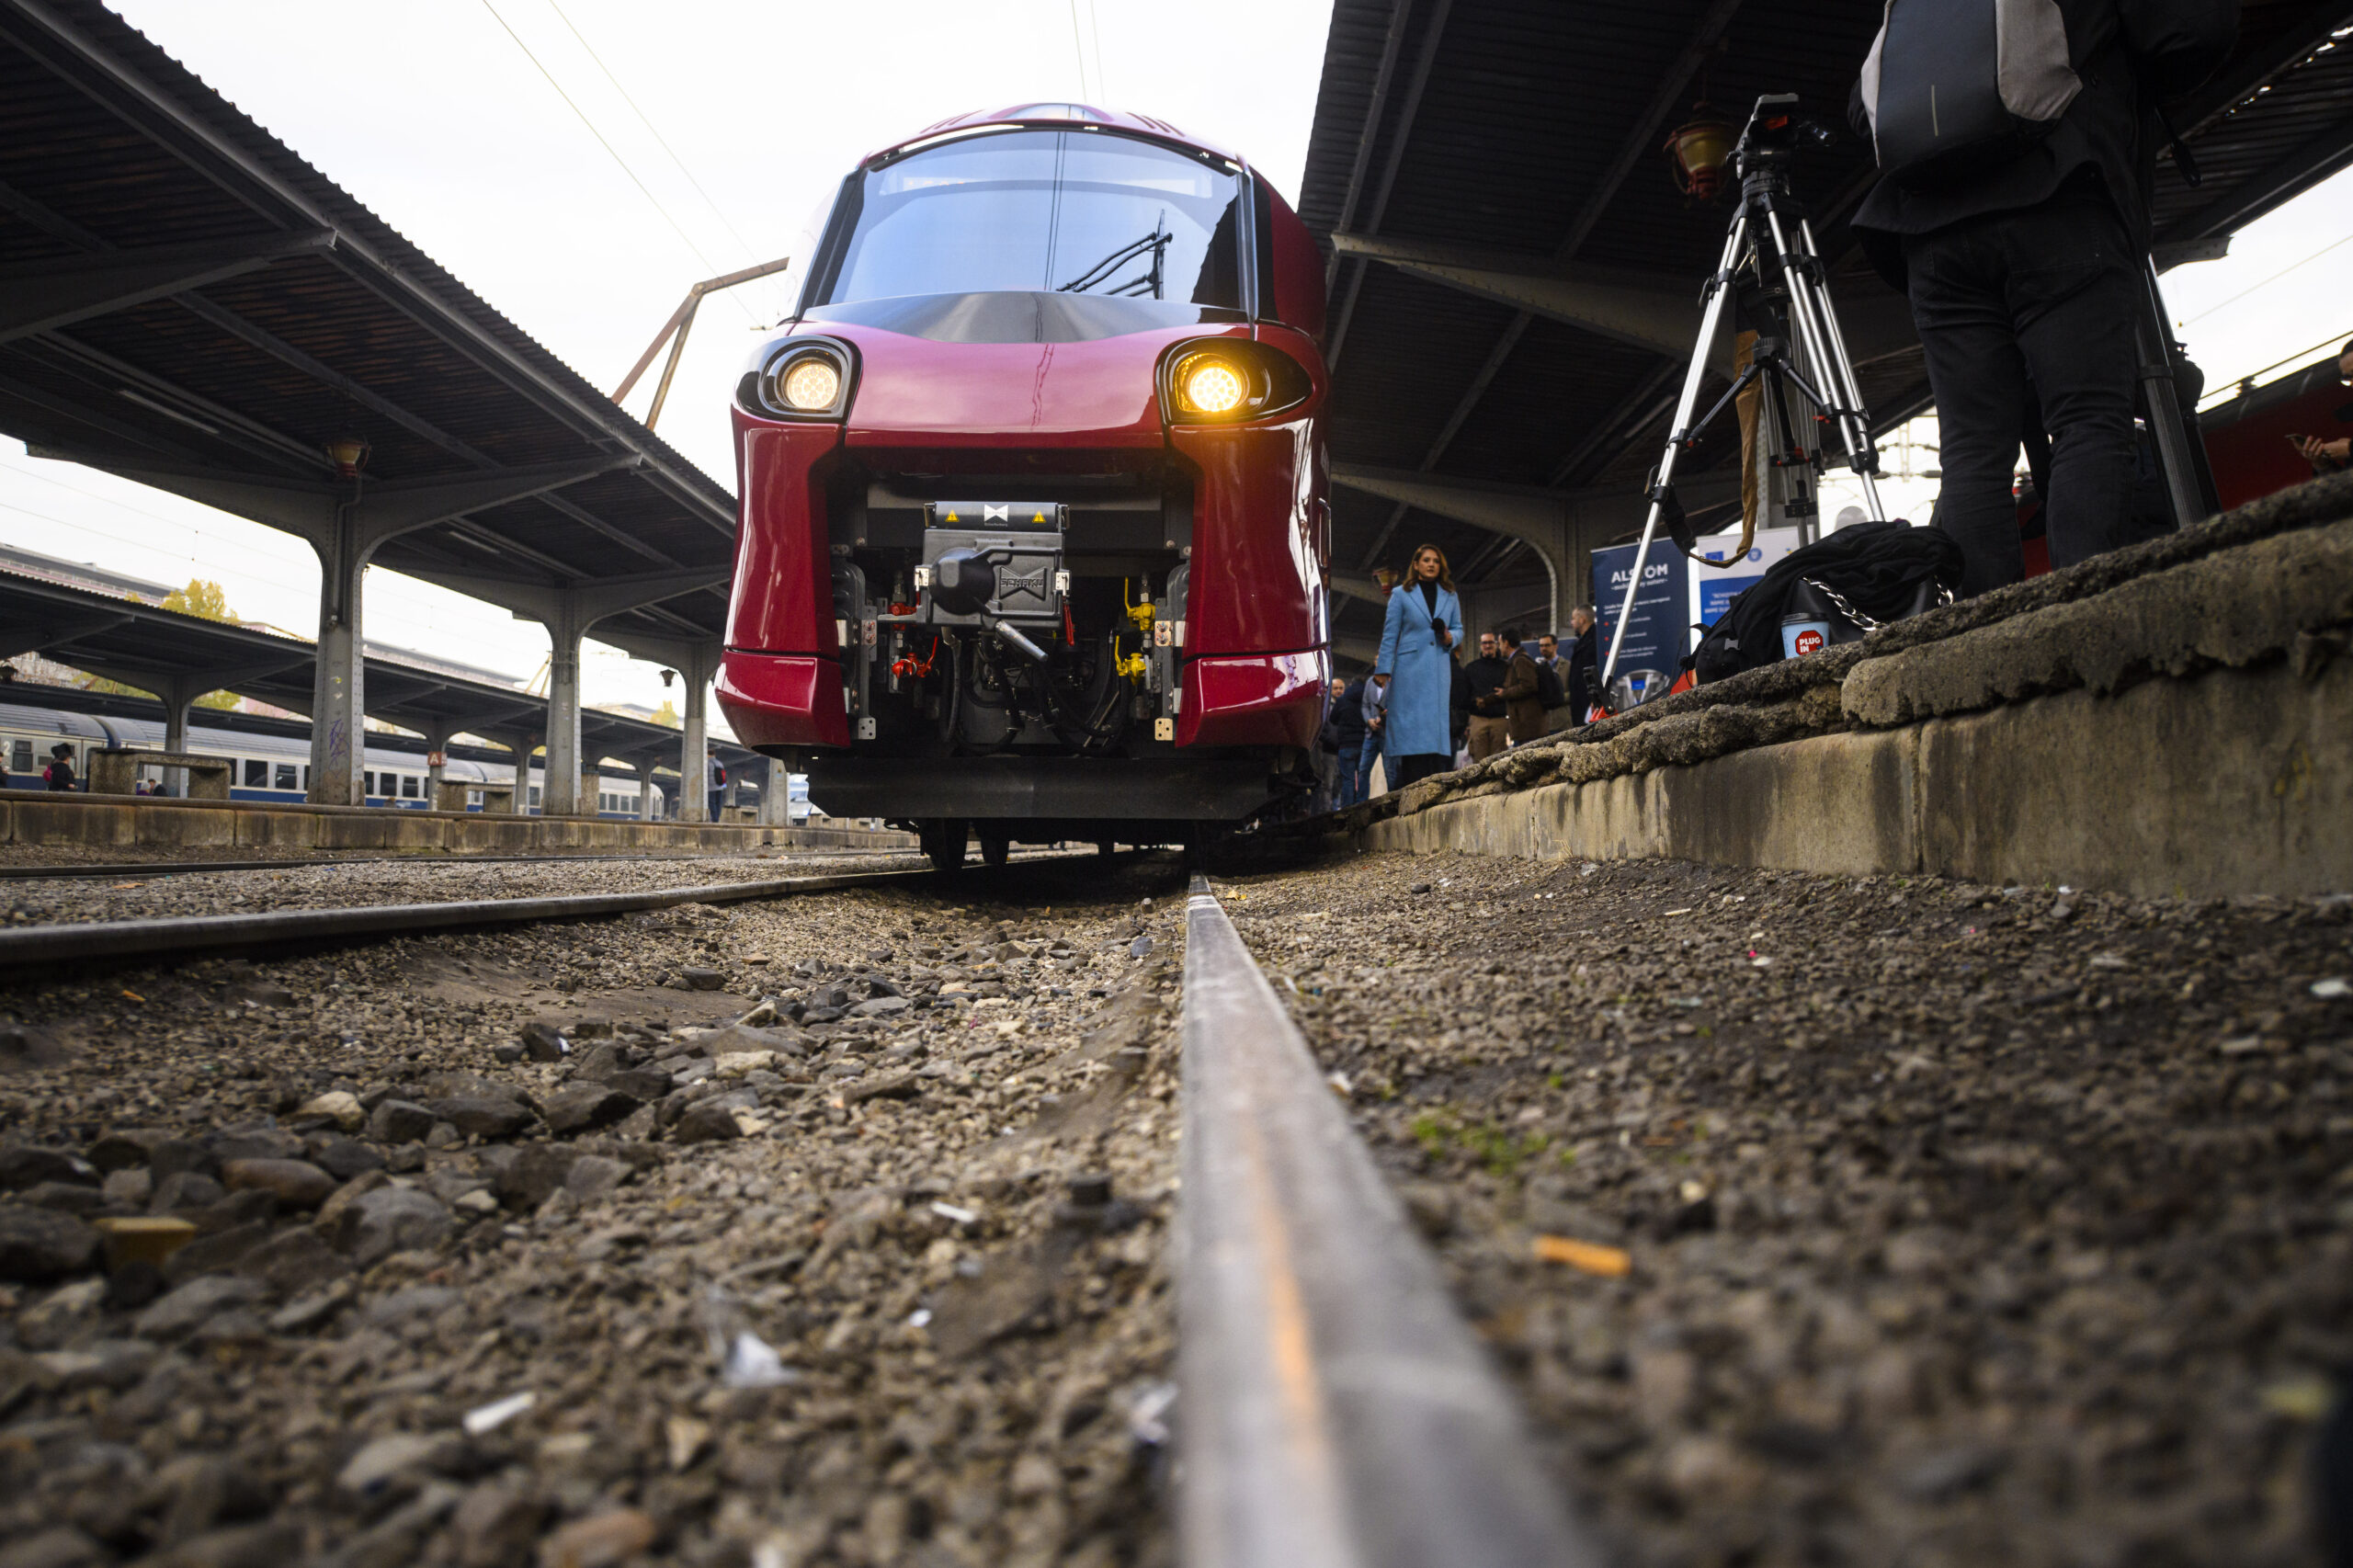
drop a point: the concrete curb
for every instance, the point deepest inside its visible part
(2231, 782)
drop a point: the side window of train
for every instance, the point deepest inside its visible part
(286, 776)
(408, 787)
(21, 756)
(257, 775)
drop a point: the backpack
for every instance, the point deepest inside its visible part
(1548, 685)
(1852, 579)
(1953, 87)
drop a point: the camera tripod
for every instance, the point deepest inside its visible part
(1769, 242)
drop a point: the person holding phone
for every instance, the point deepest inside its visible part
(2325, 456)
(1415, 667)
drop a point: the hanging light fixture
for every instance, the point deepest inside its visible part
(1701, 147)
(346, 452)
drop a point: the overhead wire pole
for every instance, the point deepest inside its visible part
(674, 332)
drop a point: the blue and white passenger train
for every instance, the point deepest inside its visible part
(268, 767)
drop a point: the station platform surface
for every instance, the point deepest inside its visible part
(2173, 719)
(40, 819)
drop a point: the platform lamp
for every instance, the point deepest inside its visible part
(349, 453)
(1701, 147)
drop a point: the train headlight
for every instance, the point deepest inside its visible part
(812, 386)
(1229, 380)
(1207, 384)
(803, 379)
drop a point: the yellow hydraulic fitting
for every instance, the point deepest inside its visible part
(1140, 614)
(1134, 665)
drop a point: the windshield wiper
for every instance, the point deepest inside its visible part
(1156, 243)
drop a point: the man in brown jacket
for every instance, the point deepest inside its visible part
(1523, 708)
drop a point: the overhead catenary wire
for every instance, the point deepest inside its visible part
(2267, 281)
(643, 187)
(1078, 43)
(1095, 26)
(644, 118)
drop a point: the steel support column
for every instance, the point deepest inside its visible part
(560, 796)
(694, 765)
(645, 788)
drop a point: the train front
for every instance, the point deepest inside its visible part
(1033, 525)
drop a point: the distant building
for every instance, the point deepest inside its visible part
(85, 574)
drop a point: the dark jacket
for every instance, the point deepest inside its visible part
(59, 773)
(1347, 717)
(2130, 54)
(1523, 708)
(1484, 675)
(1583, 678)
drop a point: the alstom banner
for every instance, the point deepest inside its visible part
(1658, 632)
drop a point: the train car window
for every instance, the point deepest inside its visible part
(408, 787)
(534, 794)
(257, 775)
(21, 756)
(286, 776)
(1044, 212)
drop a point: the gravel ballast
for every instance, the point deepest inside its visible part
(827, 1230)
(1826, 1222)
(356, 883)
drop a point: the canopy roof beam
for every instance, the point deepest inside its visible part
(41, 296)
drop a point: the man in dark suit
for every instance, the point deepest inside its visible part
(2025, 278)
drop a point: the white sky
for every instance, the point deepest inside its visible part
(431, 115)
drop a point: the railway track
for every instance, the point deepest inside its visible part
(1339, 1413)
(88, 941)
(145, 869)
(999, 1259)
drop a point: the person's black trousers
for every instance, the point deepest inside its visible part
(2047, 293)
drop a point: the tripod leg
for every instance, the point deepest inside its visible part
(2184, 485)
(1711, 319)
(1809, 310)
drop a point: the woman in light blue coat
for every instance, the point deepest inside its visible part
(1416, 668)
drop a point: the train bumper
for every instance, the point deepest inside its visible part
(783, 700)
(1259, 699)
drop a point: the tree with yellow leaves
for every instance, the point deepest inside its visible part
(202, 599)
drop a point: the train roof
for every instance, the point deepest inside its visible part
(77, 726)
(1056, 117)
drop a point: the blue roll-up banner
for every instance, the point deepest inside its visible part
(1658, 633)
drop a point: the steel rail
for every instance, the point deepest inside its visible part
(1336, 1411)
(84, 941)
(158, 869)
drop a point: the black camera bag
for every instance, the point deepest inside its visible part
(1857, 578)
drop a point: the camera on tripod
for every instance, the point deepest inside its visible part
(1774, 131)
(1799, 367)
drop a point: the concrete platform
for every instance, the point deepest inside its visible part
(2172, 719)
(119, 822)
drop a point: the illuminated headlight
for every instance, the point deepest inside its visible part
(811, 386)
(1228, 381)
(1207, 384)
(806, 378)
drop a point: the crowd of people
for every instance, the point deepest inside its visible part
(1424, 709)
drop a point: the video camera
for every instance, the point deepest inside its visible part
(1774, 133)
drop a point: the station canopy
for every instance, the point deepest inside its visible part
(1516, 273)
(180, 657)
(184, 302)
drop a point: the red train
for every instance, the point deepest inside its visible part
(1034, 528)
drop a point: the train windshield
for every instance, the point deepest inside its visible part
(1043, 212)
